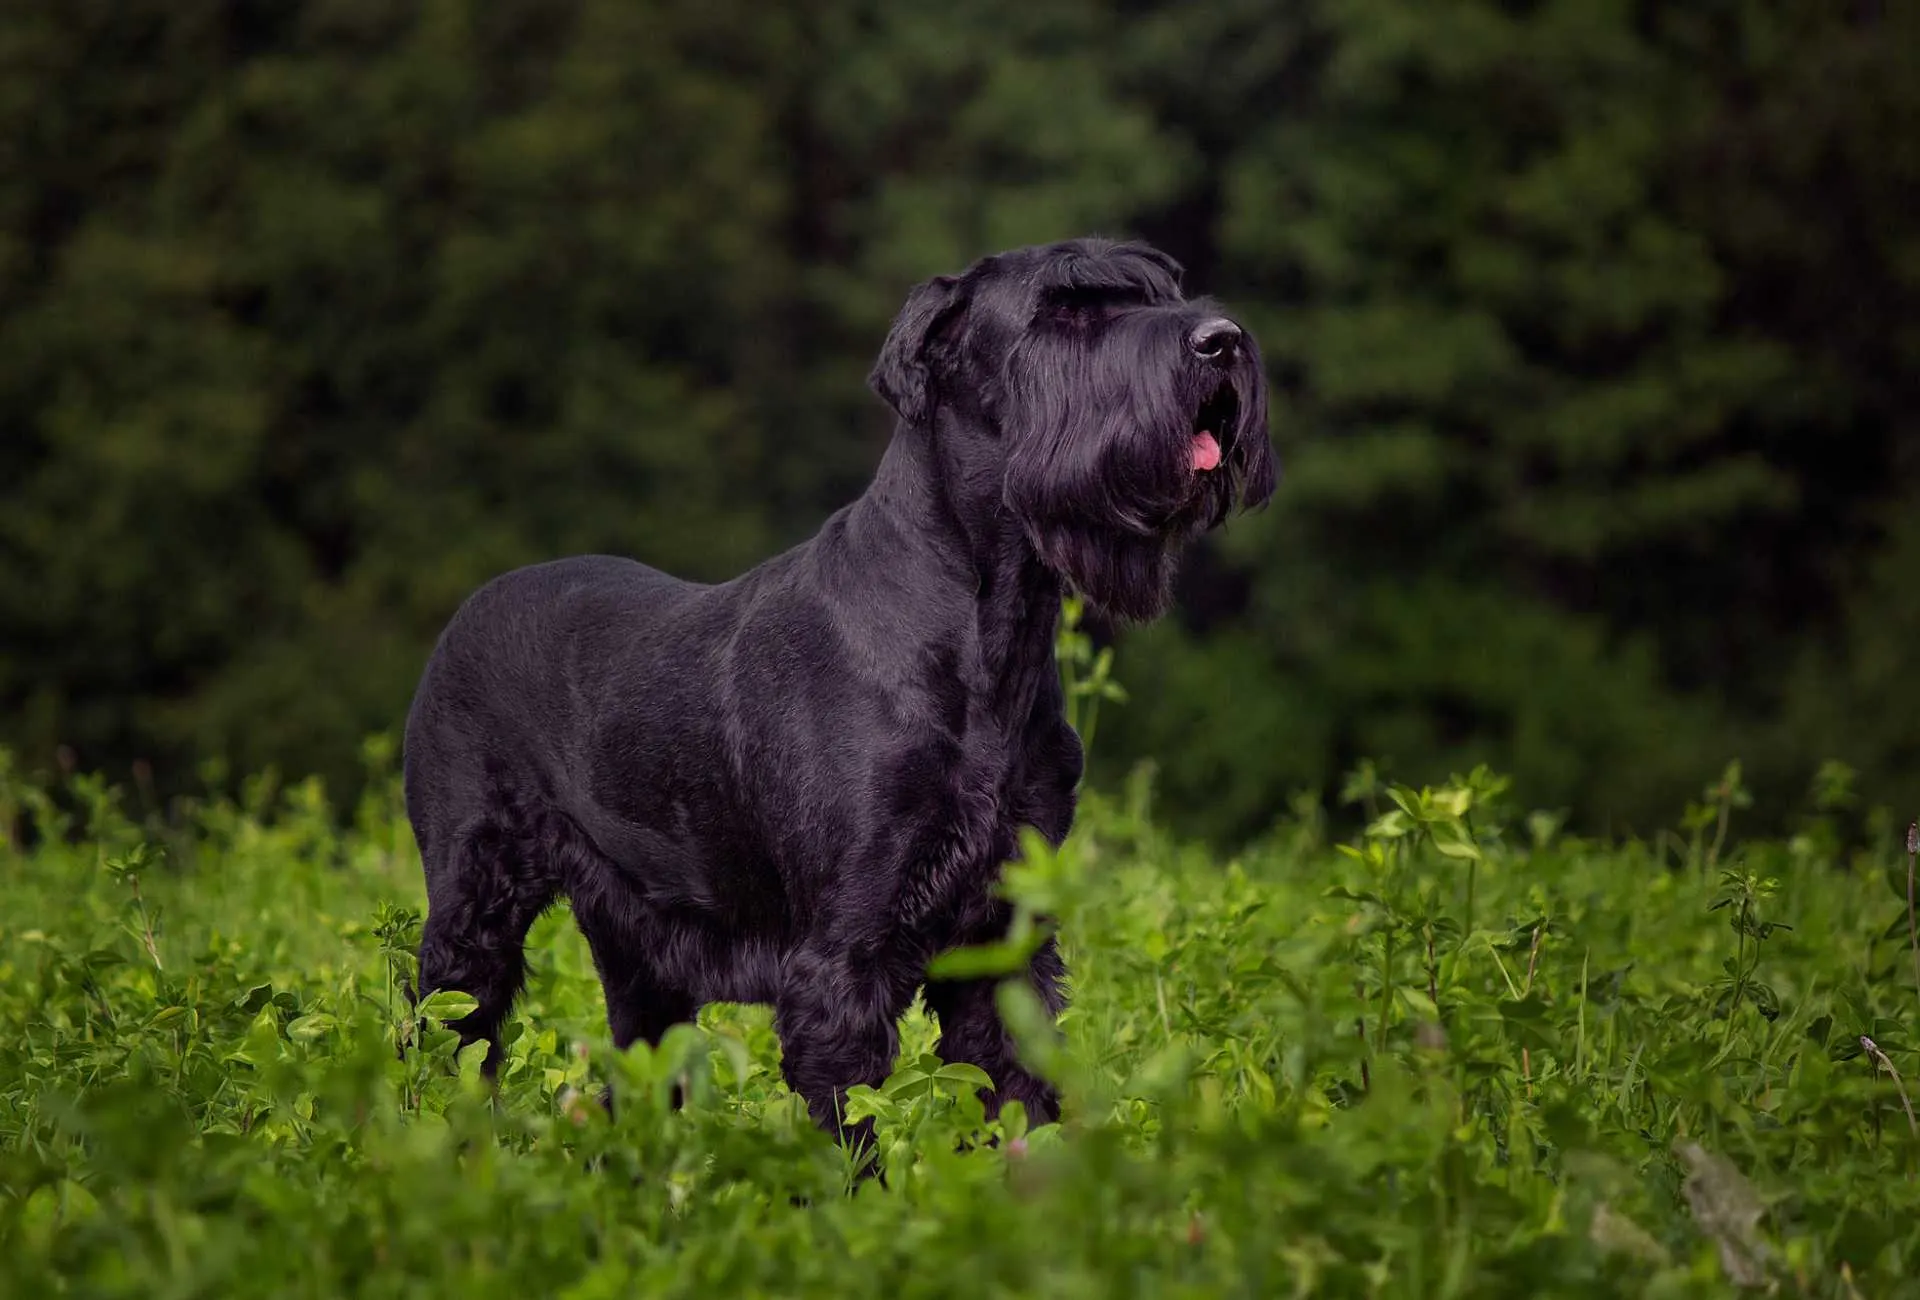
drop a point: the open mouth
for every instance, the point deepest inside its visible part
(1210, 426)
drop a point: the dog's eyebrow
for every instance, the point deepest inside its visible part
(1094, 295)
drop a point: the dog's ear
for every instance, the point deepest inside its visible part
(902, 375)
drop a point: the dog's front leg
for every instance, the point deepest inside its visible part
(837, 1018)
(971, 1031)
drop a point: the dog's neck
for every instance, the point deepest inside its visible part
(923, 494)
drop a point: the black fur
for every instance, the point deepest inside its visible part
(799, 786)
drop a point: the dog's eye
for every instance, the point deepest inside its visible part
(1078, 313)
(1085, 306)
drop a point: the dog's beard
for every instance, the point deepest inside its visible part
(1108, 471)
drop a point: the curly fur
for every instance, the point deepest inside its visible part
(799, 786)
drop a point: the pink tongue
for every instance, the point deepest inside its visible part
(1206, 452)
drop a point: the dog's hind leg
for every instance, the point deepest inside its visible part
(641, 1007)
(971, 1031)
(485, 896)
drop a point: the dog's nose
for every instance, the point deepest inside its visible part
(1213, 339)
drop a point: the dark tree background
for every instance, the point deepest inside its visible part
(1594, 323)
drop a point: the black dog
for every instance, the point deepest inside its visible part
(799, 786)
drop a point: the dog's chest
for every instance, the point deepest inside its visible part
(971, 828)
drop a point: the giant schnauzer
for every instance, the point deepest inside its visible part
(799, 786)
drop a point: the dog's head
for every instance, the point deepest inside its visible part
(1120, 417)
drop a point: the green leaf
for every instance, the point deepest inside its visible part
(960, 1075)
(253, 999)
(1896, 878)
(738, 1056)
(1529, 1008)
(468, 1061)
(981, 962)
(1390, 825)
(448, 1005)
(309, 1027)
(865, 1103)
(906, 1084)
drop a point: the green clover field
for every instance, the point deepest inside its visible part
(1457, 1053)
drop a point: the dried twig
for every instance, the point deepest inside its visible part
(1881, 1061)
(1729, 1210)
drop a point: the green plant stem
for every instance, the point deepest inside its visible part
(1913, 929)
(1739, 975)
(1433, 972)
(1513, 990)
(1473, 867)
(1720, 829)
(1580, 1043)
(146, 924)
(1360, 1028)
(1386, 985)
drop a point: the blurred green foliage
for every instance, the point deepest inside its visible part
(1461, 1053)
(1594, 325)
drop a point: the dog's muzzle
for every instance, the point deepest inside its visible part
(1216, 418)
(1216, 342)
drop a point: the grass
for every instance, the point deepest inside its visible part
(1303, 1071)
